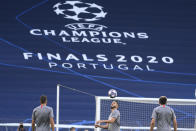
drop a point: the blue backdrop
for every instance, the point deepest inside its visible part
(140, 48)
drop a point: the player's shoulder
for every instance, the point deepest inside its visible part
(169, 108)
(49, 108)
(36, 108)
(116, 111)
(157, 108)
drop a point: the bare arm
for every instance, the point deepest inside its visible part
(52, 123)
(152, 124)
(33, 125)
(102, 126)
(106, 121)
(175, 124)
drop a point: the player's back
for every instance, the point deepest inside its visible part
(41, 116)
(164, 117)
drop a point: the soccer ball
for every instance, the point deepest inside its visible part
(79, 11)
(112, 93)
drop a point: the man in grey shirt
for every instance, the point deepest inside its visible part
(163, 115)
(43, 116)
(113, 122)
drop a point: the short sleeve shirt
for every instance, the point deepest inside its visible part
(41, 115)
(163, 116)
(116, 125)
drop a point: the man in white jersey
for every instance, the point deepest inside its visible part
(43, 116)
(113, 122)
(164, 116)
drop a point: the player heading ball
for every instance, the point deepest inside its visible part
(113, 122)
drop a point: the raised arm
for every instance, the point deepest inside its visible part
(112, 120)
(102, 126)
(104, 121)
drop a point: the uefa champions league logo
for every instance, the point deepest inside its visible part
(84, 30)
(79, 11)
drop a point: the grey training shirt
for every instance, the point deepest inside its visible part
(116, 125)
(163, 116)
(41, 115)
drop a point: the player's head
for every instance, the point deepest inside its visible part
(114, 105)
(21, 127)
(163, 100)
(43, 99)
(72, 129)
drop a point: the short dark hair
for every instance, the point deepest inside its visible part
(72, 128)
(163, 100)
(43, 99)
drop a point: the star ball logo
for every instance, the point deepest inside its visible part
(84, 30)
(79, 11)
